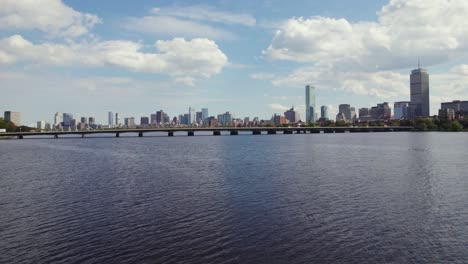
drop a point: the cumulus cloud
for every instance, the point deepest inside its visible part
(406, 30)
(50, 16)
(262, 76)
(177, 57)
(278, 107)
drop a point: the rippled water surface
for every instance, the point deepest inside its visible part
(347, 198)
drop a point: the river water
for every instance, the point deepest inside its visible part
(325, 198)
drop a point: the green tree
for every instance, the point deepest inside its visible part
(456, 126)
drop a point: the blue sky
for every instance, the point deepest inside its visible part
(252, 58)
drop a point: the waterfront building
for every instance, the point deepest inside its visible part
(225, 119)
(67, 119)
(48, 126)
(401, 110)
(341, 117)
(118, 121)
(363, 112)
(144, 121)
(166, 118)
(212, 121)
(352, 114)
(324, 112)
(292, 115)
(58, 119)
(381, 112)
(279, 119)
(41, 125)
(345, 109)
(199, 117)
(419, 90)
(130, 122)
(204, 113)
(110, 119)
(447, 114)
(83, 120)
(457, 106)
(310, 103)
(91, 120)
(160, 117)
(153, 119)
(14, 117)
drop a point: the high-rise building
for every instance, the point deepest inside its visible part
(381, 112)
(153, 119)
(199, 117)
(310, 103)
(14, 117)
(345, 109)
(118, 121)
(419, 89)
(279, 119)
(91, 120)
(401, 110)
(144, 121)
(160, 117)
(225, 119)
(204, 113)
(130, 122)
(191, 118)
(83, 120)
(110, 119)
(324, 112)
(67, 119)
(457, 106)
(292, 115)
(58, 119)
(352, 114)
(364, 114)
(41, 125)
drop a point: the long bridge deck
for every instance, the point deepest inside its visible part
(215, 130)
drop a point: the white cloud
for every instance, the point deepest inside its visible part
(50, 16)
(278, 107)
(262, 76)
(406, 30)
(177, 57)
(207, 13)
(173, 26)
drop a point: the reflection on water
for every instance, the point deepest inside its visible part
(380, 197)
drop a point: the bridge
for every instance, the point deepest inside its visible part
(215, 130)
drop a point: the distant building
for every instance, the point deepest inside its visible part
(345, 109)
(447, 114)
(401, 110)
(160, 117)
(204, 113)
(225, 119)
(118, 121)
(144, 121)
(457, 106)
(91, 120)
(14, 117)
(292, 115)
(153, 119)
(381, 112)
(352, 113)
(83, 120)
(41, 125)
(279, 119)
(58, 119)
(67, 119)
(419, 90)
(364, 113)
(212, 121)
(110, 119)
(341, 117)
(199, 117)
(130, 122)
(310, 103)
(324, 112)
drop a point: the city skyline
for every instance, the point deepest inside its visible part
(251, 58)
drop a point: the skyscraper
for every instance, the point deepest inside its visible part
(400, 110)
(110, 118)
(14, 117)
(419, 89)
(324, 112)
(292, 115)
(310, 103)
(67, 119)
(58, 119)
(204, 113)
(117, 119)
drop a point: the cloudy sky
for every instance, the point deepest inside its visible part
(252, 58)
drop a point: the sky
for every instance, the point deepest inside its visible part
(252, 58)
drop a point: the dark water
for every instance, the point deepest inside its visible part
(348, 198)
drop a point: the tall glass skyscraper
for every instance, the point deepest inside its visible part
(419, 89)
(310, 103)
(324, 112)
(110, 119)
(204, 114)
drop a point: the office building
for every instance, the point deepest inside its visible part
(457, 106)
(279, 119)
(225, 119)
(153, 119)
(401, 110)
(364, 114)
(144, 121)
(447, 114)
(41, 125)
(324, 112)
(58, 119)
(160, 117)
(14, 117)
(110, 119)
(83, 120)
(348, 112)
(130, 122)
(67, 119)
(91, 120)
(310, 103)
(199, 117)
(341, 117)
(292, 115)
(118, 121)
(381, 112)
(204, 113)
(419, 90)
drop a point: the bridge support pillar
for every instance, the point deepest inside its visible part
(117, 135)
(20, 136)
(140, 134)
(82, 135)
(55, 136)
(256, 132)
(190, 133)
(216, 133)
(234, 133)
(271, 132)
(170, 134)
